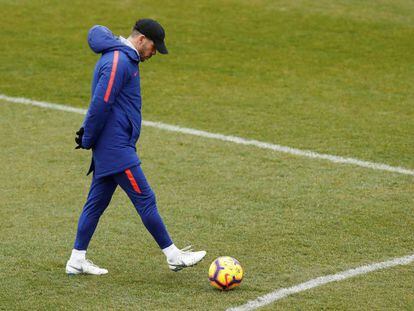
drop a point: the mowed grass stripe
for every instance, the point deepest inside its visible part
(233, 139)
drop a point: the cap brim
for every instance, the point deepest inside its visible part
(160, 46)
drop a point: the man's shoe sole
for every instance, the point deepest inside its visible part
(73, 271)
(70, 270)
(181, 267)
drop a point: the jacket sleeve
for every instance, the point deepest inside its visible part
(111, 79)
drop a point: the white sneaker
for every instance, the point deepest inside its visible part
(83, 266)
(185, 258)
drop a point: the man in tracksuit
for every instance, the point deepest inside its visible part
(111, 129)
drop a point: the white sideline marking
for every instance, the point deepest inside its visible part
(322, 280)
(283, 292)
(233, 139)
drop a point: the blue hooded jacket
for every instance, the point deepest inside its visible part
(113, 122)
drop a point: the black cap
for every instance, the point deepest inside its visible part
(154, 31)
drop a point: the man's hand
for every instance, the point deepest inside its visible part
(78, 138)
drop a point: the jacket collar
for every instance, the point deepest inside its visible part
(128, 43)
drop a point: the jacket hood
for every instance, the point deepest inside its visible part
(102, 40)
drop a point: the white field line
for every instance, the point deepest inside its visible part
(322, 280)
(283, 292)
(233, 139)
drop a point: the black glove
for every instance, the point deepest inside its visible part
(78, 138)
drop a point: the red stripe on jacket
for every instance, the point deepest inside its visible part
(112, 77)
(133, 181)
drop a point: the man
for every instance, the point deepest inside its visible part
(111, 129)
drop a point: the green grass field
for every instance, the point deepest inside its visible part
(334, 77)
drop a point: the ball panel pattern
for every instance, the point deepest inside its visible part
(225, 273)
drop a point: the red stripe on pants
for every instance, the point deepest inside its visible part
(133, 181)
(112, 77)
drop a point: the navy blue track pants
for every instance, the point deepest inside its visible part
(135, 185)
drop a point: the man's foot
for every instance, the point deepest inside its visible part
(185, 258)
(83, 266)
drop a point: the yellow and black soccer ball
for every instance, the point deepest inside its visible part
(225, 273)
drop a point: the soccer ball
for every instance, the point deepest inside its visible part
(225, 273)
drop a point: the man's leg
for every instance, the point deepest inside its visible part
(99, 196)
(135, 185)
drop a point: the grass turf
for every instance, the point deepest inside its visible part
(222, 197)
(307, 75)
(331, 77)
